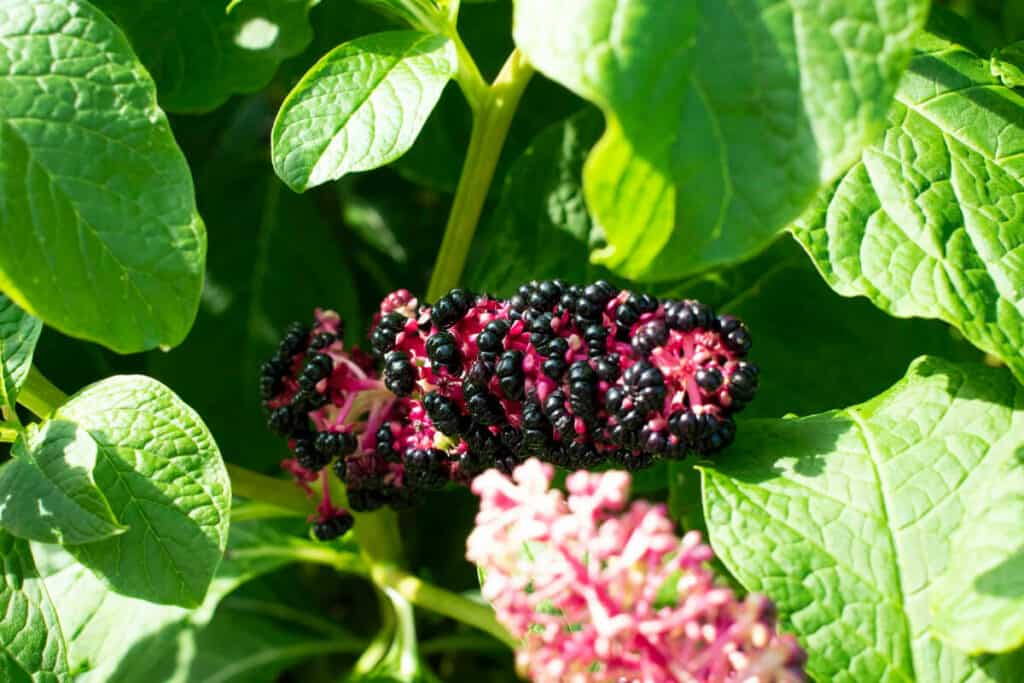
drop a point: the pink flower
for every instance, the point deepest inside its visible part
(604, 593)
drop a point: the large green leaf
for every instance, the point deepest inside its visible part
(930, 222)
(32, 646)
(360, 107)
(113, 638)
(19, 333)
(163, 475)
(541, 227)
(723, 118)
(847, 520)
(98, 219)
(47, 492)
(200, 52)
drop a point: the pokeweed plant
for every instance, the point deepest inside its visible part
(180, 181)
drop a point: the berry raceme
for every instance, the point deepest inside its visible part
(575, 375)
(578, 376)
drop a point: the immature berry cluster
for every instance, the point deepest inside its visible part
(577, 376)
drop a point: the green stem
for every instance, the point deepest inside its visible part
(431, 597)
(39, 395)
(347, 563)
(8, 433)
(377, 531)
(253, 510)
(493, 113)
(277, 492)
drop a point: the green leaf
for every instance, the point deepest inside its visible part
(19, 333)
(540, 227)
(163, 475)
(360, 107)
(163, 642)
(929, 223)
(724, 118)
(846, 519)
(273, 259)
(201, 52)
(31, 643)
(1007, 64)
(47, 492)
(99, 225)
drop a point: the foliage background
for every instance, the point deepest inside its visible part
(273, 256)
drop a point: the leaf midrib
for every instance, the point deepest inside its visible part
(871, 451)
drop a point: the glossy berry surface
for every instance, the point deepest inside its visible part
(577, 375)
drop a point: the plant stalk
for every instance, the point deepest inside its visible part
(491, 121)
(39, 395)
(428, 596)
(8, 433)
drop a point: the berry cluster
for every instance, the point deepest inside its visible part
(577, 376)
(573, 375)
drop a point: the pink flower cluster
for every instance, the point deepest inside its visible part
(604, 593)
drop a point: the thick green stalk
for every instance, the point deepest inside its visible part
(39, 395)
(435, 599)
(277, 492)
(492, 118)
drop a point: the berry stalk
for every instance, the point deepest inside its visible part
(491, 121)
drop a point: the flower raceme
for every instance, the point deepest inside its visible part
(577, 376)
(604, 593)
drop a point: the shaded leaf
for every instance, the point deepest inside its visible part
(99, 225)
(166, 643)
(201, 52)
(47, 492)
(273, 259)
(163, 475)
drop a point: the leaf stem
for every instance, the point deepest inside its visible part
(39, 395)
(491, 120)
(435, 599)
